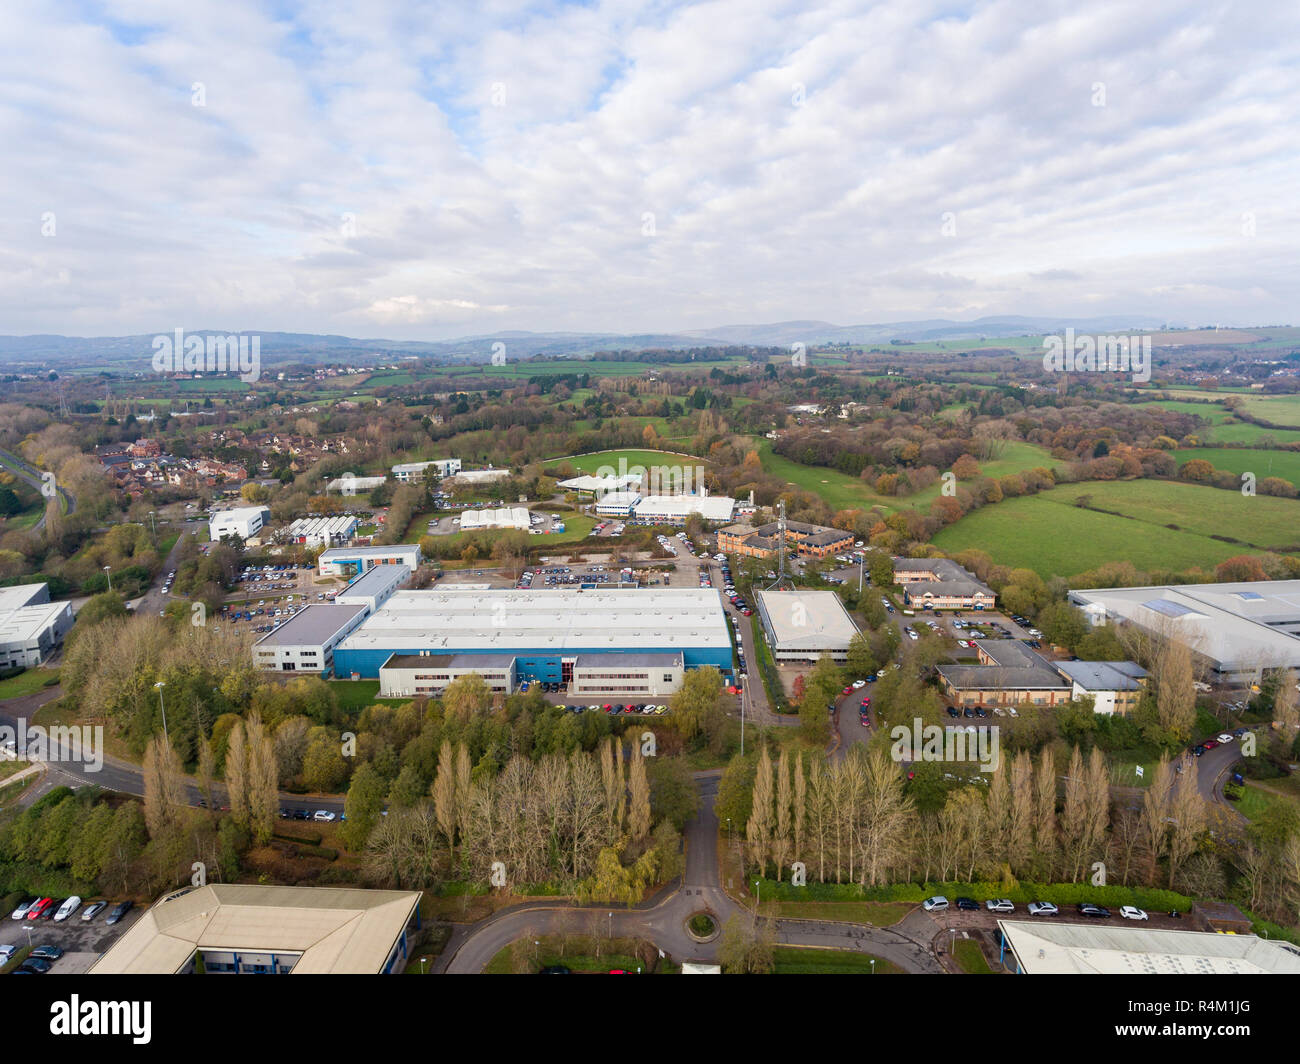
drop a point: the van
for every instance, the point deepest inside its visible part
(937, 904)
(909, 613)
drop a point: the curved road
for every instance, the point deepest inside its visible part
(35, 477)
(662, 921)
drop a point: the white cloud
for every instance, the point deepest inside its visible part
(350, 168)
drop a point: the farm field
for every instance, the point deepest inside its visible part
(1276, 409)
(1051, 535)
(1016, 457)
(1263, 463)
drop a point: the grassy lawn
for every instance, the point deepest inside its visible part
(591, 463)
(25, 683)
(577, 527)
(1255, 801)
(1263, 463)
(355, 695)
(970, 958)
(578, 955)
(876, 913)
(1048, 533)
(802, 960)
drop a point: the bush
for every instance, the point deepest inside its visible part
(1111, 896)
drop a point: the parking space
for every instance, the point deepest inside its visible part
(81, 941)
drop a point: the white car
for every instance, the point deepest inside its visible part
(1042, 908)
(7, 953)
(1012, 711)
(1000, 905)
(858, 685)
(1132, 912)
(1226, 737)
(323, 814)
(67, 909)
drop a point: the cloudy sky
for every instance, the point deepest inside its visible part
(423, 171)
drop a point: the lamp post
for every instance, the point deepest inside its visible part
(873, 965)
(109, 571)
(162, 706)
(154, 525)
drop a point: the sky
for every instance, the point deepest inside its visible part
(428, 171)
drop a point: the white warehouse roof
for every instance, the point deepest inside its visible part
(449, 621)
(506, 517)
(709, 507)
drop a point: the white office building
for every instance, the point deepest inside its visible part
(350, 485)
(31, 626)
(439, 467)
(803, 625)
(675, 509)
(244, 522)
(353, 561)
(516, 517)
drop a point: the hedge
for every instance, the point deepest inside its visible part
(1058, 893)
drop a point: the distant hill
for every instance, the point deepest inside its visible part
(133, 353)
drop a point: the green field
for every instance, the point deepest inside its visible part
(1284, 464)
(1049, 534)
(577, 527)
(805, 960)
(844, 492)
(1276, 409)
(590, 463)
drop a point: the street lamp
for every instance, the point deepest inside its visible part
(109, 571)
(160, 685)
(423, 961)
(873, 965)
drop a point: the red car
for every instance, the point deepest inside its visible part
(864, 720)
(1210, 744)
(40, 908)
(847, 691)
(866, 703)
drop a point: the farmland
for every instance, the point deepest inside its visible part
(1263, 463)
(1050, 534)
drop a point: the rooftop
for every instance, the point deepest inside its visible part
(803, 617)
(336, 930)
(312, 626)
(1089, 949)
(549, 619)
(1103, 675)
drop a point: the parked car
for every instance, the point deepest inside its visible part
(33, 966)
(969, 905)
(1132, 912)
(40, 908)
(937, 904)
(93, 910)
(323, 815)
(47, 953)
(118, 911)
(1042, 908)
(1099, 912)
(23, 908)
(1000, 905)
(70, 906)
(1225, 738)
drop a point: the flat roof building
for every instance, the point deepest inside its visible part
(31, 626)
(374, 587)
(481, 476)
(1237, 630)
(405, 472)
(818, 541)
(243, 521)
(305, 642)
(802, 625)
(413, 675)
(547, 631)
(349, 561)
(238, 928)
(592, 485)
(617, 503)
(1114, 686)
(675, 509)
(334, 531)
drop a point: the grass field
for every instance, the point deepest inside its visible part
(25, 683)
(1049, 534)
(802, 960)
(876, 913)
(1263, 463)
(1276, 409)
(577, 527)
(590, 463)
(355, 695)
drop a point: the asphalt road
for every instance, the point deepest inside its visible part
(35, 477)
(663, 920)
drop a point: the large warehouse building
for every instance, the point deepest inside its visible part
(31, 626)
(243, 521)
(803, 625)
(554, 636)
(1236, 630)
